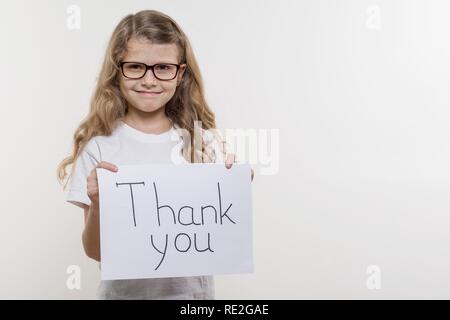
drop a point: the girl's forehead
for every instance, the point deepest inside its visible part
(143, 50)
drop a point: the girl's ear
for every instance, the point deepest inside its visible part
(181, 73)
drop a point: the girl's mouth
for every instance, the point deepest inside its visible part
(148, 93)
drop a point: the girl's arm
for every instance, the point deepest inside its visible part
(91, 232)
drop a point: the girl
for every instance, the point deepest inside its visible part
(149, 90)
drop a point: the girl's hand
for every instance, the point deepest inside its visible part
(92, 182)
(230, 160)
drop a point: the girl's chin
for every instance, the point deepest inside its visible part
(149, 108)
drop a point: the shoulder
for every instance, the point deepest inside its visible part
(92, 149)
(98, 145)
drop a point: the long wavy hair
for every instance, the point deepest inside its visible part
(107, 104)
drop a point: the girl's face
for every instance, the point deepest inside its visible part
(149, 94)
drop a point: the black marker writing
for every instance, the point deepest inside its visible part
(175, 242)
(215, 213)
(165, 206)
(182, 242)
(131, 192)
(163, 253)
(192, 216)
(209, 244)
(220, 205)
(178, 217)
(178, 247)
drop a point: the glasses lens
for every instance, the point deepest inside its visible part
(133, 70)
(165, 71)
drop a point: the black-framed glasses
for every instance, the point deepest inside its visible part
(161, 71)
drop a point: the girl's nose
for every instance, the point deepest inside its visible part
(149, 78)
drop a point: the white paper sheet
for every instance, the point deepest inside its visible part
(208, 232)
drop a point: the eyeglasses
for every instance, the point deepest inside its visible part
(161, 71)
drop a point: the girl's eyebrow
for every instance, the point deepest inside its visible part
(159, 61)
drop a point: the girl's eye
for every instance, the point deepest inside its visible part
(162, 67)
(135, 66)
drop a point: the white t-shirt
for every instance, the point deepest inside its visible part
(127, 146)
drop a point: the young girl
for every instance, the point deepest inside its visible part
(149, 89)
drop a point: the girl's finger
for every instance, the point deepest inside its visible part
(230, 160)
(108, 166)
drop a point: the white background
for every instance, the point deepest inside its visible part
(358, 90)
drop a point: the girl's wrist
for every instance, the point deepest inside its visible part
(94, 208)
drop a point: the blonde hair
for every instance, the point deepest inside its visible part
(107, 104)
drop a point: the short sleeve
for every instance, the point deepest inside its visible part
(86, 161)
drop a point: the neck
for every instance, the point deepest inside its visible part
(155, 122)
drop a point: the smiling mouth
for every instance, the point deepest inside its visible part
(148, 93)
